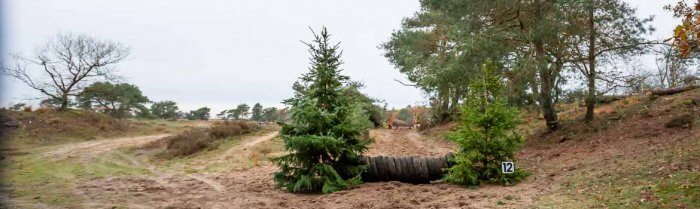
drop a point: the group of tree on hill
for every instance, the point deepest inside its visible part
(257, 113)
(122, 100)
(545, 50)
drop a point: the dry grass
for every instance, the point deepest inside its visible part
(637, 153)
(46, 126)
(260, 153)
(232, 128)
(42, 110)
(50, 126)
(684, 121)
(189, 142)
(199, 139)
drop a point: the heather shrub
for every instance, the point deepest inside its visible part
(232, 128)
(196, 140)
(681, 121)
(189, 142)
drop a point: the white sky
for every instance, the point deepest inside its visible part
(220, 53)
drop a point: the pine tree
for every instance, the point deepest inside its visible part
(324, 137)
(442, 46)
(270, 114)
(256, 112)
(605, 30)
(486, 135)
(242, 110)
(165, 110)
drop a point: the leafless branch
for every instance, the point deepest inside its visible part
(62, 65)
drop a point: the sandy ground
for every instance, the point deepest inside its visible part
(398, 142)
(92, 148)
(254, 188)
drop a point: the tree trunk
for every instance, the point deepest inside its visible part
(535, 91)
(590, 99)
(546, 80)
(64, 102)
(444, 112)
(669, 91)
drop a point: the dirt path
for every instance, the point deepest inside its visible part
(245, 144)
(92, 148)
(167, 188)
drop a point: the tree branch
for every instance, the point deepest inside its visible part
(402, 83)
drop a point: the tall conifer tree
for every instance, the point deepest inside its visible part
(486, 135)
(324, 137)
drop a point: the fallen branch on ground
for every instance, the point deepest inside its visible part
(669, 91)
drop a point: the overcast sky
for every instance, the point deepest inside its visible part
(219, 53)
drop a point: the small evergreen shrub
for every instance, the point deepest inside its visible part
(324, 136)
(486, 135)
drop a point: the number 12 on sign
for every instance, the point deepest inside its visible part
(508, 167)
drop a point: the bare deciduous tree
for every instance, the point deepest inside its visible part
(64, 65)
(672, 66)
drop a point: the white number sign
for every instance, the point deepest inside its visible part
(508, 167)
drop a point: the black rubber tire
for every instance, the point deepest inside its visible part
(399, 170)
(391, 167)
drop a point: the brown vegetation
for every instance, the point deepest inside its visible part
(189, 142)
(50, 126)
(684, 120)
(46, 126)
(232, 128)
(393, 122)
(198, 139)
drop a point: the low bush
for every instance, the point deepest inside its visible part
(196, 140)
(160, 143)
(232, 128)
(685, 121)
(189, 142)
(47, 126)
(43, 110)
